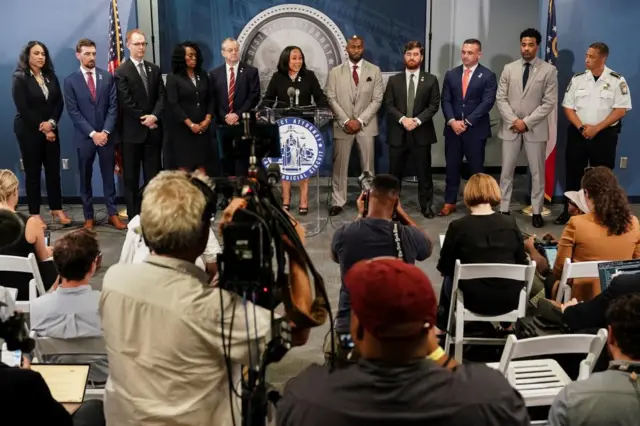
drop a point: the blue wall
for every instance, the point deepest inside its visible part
(580, 23)
(58, 24)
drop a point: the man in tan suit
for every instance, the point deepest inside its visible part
(527, 94)
(354, 90)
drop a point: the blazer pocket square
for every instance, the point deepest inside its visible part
(369, 79)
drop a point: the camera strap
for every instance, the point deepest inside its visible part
(400, 252)
(633, 371)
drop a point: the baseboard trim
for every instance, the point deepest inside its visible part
(73, 200)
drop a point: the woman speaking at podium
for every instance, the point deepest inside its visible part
(293, 73)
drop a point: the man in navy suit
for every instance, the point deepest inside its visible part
(468, 94)
(90, 95)
(236, 90)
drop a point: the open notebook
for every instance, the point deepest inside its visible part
(67, 382)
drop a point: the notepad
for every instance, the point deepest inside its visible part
(67, 382)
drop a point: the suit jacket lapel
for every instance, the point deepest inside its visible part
(347, 76)
(420, 84)
(402, 98)
(475, 77)
(98, 84)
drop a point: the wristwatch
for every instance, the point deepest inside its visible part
(581, 129)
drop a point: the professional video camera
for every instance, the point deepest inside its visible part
(252, 263)
(14, 331)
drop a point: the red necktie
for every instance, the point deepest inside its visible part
(232, 88)
(356, 79)
(465, 82)
(92, 86)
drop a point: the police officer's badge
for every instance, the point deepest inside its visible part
(624, 88)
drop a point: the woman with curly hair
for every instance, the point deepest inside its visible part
(38, 99)
(189, 110)
(609, 232)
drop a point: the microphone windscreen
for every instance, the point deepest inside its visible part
(291, 91)
(11, 228)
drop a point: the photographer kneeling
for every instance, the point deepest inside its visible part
(374, 234)
(167, 331)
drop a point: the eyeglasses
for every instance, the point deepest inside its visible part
(236, 50)
(144, 44)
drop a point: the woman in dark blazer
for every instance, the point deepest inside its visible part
(38, 99)
(293, 72)
(189, 110)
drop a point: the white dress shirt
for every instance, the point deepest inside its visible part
(416, 75)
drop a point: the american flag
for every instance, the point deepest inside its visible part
(550, 56)
(116, 54)
(116, 47)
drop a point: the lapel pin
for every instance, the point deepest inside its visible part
(241, 70)
(99, 76)
(46, 79)
(299, 79)
(480, 75)
(148, 69)
(422, 78)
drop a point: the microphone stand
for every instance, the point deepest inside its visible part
(153, 33)
(430, 36)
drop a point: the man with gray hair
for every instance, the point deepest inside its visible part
(236, 90)
(167, 331)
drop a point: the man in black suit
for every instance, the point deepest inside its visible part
(411, 99)
(141, 98)
(236, 90)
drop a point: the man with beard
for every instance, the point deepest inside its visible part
(411, 99)
(92, 103)
(527, 94)
(354, 90)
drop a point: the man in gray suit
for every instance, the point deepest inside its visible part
(354, 91)
(527, 94)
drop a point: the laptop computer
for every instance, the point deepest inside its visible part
(609, 270)
(67, 382)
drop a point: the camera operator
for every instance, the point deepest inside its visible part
(167, 331)
(375, 235)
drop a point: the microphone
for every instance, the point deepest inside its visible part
(273, 174)
(11, 228)
(291, 92)
(246, 122)
(297, 97)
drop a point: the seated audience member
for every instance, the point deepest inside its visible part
(32, 241)
(374, 234)
(71, 310)
(29, 401)
(609, 232)
(483, 236)
(400, 377)
(577, 205)
(591, 315)
(134, 250)
(164, 325)
(611, 397)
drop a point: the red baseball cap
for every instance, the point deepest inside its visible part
(392, 299)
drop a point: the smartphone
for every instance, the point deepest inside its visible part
(346, 341)
(551, 251)
(11, 358)
(47, 238)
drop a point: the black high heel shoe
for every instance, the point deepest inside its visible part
(302, 211)
(286, 207)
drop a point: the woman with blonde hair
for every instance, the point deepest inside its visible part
(483, 236)
(33, 240)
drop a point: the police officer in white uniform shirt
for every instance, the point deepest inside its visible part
(595, 102)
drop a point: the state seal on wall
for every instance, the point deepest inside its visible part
(268, 33)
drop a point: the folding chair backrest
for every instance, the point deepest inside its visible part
(472, 271)
(548, 345)
(28, 265)
(78, 346)
(575, 270)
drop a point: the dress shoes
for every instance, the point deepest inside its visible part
(537, 221)
(447, 210)
(506, 213)
(562, 219)
(335, 210)
(116, 222)
(89, 224)
(428, 213)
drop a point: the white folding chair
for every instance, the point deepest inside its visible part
(460, 314)
(540, 380)
(28, 265)
(441, 237)
(79, 346)
(575, 270)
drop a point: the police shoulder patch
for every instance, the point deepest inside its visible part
(624, 89)
(579, 73)
(615, 74)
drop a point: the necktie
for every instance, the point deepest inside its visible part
(356, 79)
(465, 82)
(525, 75)
(143, 76)
(232, 88)
(92, 86)
(411, 96)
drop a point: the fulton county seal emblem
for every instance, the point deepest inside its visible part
(302, 149)
(268, 33)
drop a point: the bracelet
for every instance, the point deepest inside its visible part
(437, 354)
